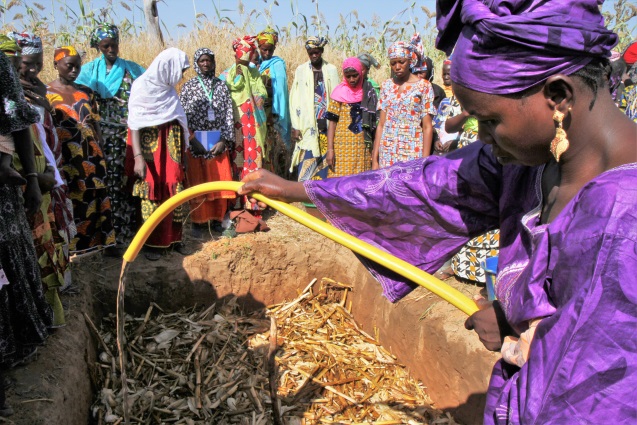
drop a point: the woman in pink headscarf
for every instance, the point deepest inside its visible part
(350, 118)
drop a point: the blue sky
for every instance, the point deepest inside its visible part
(176, 12)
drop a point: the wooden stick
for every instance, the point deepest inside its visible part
(322, 384)
(195, 347)
(36, 400)
(97, 334)
(198, 377)
(164, 371)
(272, 373)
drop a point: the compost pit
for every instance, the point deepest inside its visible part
(425, 334)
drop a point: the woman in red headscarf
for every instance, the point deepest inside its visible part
(347, 150)
(248, 94)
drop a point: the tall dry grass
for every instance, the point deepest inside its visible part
(349, 36)
(142, 49)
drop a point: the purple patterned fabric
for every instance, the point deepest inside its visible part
(507, 46)
(578, 271)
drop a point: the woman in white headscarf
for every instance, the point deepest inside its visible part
(158, 137)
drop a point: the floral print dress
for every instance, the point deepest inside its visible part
(402, 134)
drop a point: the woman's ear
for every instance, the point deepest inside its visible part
(559, 92)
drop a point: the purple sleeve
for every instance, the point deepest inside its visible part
(421, 211)
(583, 358)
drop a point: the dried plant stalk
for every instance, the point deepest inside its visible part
(308, 363)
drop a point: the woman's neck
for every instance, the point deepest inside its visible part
(599, 140)
(404, 80)
(64, 83)
(109, 64)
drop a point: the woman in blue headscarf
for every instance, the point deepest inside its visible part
(111, 78)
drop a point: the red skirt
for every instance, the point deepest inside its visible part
(162, 148)
(212, 206)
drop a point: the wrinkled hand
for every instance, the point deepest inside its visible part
(330, 158)
(196, 147)
(489, 323)
(239, 69)
(140, 167)
(268, 184)
(296, 135)
(219, 148)
(46, 180)
(32, 197)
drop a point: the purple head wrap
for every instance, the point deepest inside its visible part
(507, 46)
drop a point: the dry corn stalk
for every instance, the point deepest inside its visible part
(211, 366)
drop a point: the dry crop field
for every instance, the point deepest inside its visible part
(73, 21)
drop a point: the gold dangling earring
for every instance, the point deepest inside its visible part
(560, 144)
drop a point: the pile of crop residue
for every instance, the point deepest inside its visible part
(220, 366)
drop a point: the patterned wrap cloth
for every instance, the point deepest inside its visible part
(9, 46)
(411, 50)
(315, 42)
(244, 47)
(268, 36)
(29, 43)
(63, 52)
(104, 30)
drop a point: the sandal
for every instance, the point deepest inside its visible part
(444, 274)
(181, 248)
(152, 254)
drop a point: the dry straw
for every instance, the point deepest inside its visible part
(309, 363)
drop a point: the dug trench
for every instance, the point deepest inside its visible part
(425, 333)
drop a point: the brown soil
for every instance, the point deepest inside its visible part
(425, 333)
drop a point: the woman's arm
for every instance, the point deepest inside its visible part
(379, 133)
(331, 131)
(427, 135)
(273, 186)
(454, 124)
(140, 163)
(24, 149)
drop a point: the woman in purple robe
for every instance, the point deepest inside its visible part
(556, 171)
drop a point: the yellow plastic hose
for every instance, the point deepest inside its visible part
(438, 287)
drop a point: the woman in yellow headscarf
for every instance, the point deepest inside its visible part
(274, 76)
